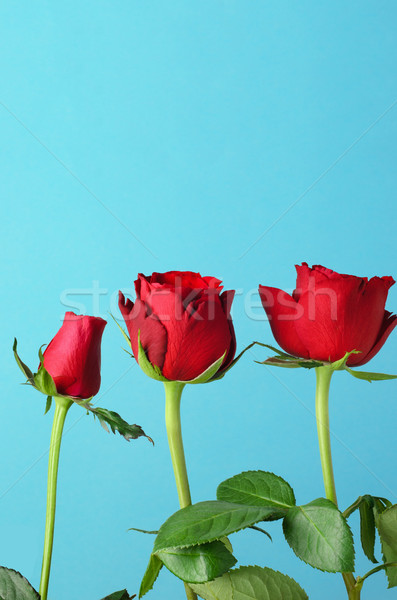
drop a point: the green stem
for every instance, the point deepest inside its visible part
(173, 394)
(376, 570)
(62, 406)
(323, 375)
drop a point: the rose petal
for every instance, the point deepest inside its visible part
(388, 324)
(153, 334)
(283, 313)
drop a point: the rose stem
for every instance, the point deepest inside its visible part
(173, 394)
(62, 406)
(323, 381)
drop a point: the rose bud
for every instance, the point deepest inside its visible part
(330, 314)
(73, 357)
(183, 321)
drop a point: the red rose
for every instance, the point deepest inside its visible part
(330, 314)
(73, 357)
(184, 322)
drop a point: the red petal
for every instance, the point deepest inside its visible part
(226, 299)
(153, 335)
(196, 338)
(388, 324)
(283, 312)
(73, 357)
(340, 315)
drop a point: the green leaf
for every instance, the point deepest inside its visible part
(380, 505)
(13, 586)
(43, 380)
(208, 373)
(370, 377)
(320, 536)
(225, 540)
(257, 488)
(197, 564)
(142, 530)
(251, 583)
(120, 595)
(350, 510)
(117, 423)
(219, 589)
(256, 528)
(209, 521)
(152, 571)
(24, 368)
(381, 567)
(386, 523)
(367, 529)
(48, 404)
(256, 583)
(366, 506)
(150, 370)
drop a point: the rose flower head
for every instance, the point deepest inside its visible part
(183, 324)
(330, 314)
(73, 357)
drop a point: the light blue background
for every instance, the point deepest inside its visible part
(193, 126)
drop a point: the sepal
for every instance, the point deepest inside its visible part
(282, 359)
(44, 383)
(233, 363)
(154, 371)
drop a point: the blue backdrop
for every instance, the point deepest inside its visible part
(229, 137)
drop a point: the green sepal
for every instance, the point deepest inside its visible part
(43, 380)
(210, 373)
(199, 563)
(233, 363)
(154, 371)
(150, 370)
(370, 377)
(125, 334)
(282, 359)
(288, 361)
(152, 572)
(45, 384)
(14, 586)
(339, 365)
(120, 595)
(24, 368)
